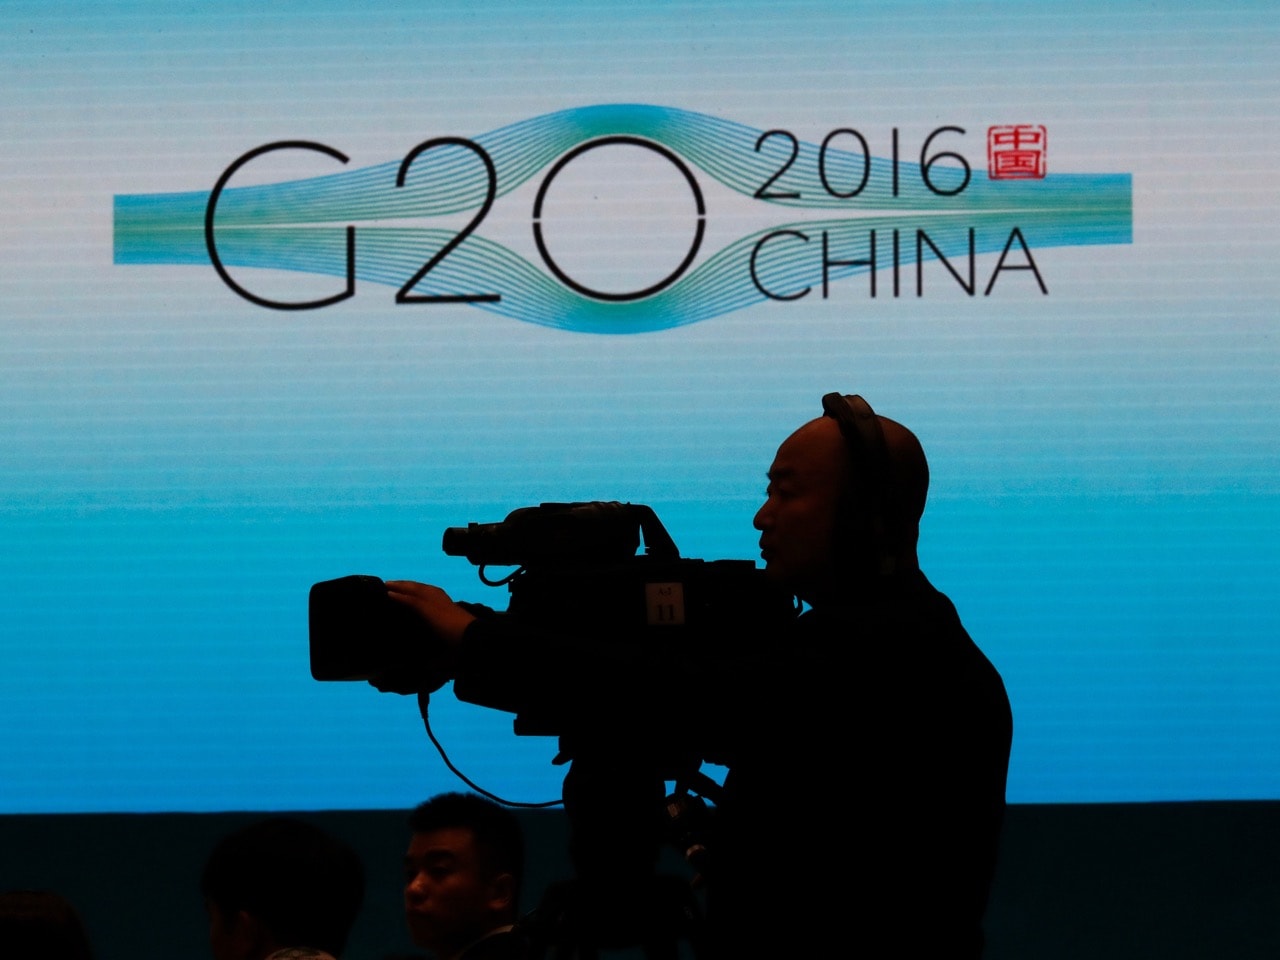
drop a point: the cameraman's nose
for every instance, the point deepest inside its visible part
(762, 517)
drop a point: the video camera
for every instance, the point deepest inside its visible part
(579, 585)
(619, 655)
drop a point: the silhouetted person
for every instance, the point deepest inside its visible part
(281, 889)
(884, 706)
(41, 925)
(462, 875)
(867, 741)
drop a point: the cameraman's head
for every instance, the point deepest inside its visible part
(846, 492)
(280, 883)
(462, 872)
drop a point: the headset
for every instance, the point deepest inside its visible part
(871, 517)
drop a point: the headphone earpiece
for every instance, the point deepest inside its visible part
(866, 522)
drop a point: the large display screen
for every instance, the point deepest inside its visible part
(286, 289)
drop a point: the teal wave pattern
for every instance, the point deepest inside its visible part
(296, 225)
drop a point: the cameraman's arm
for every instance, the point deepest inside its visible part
(501, 662)
(493, 660)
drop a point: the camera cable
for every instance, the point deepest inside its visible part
(424, 699)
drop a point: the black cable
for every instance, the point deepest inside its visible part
(423, 699)
(498, 583)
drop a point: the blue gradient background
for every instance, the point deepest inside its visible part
(177, 466)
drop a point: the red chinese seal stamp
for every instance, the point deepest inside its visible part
(1016, 151)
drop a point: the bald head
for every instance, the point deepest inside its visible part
(799, 522)
(908, 470)
(846, 492)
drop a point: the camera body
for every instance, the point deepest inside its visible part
(580, 585)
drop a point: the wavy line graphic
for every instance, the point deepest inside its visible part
(296, 225)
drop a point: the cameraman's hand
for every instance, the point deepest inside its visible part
(446, 619)
(429, 666)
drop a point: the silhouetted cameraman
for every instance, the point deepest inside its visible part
(867, 742)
